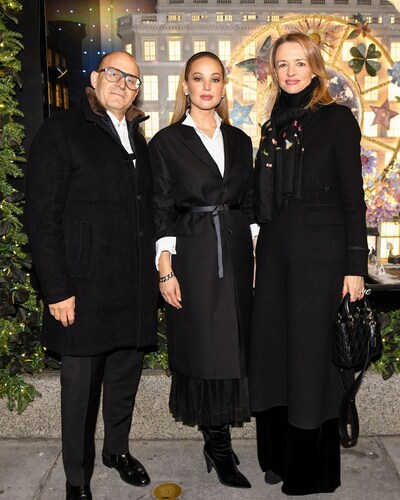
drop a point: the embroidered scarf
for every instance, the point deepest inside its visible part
(279, 162)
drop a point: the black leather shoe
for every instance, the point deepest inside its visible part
(78, 492)
(130, 469)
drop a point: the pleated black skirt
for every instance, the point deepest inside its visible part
(209, 402)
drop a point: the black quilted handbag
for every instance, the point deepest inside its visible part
(356, 339)
(356, 336)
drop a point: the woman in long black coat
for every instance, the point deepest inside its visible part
(312, 248)
(203, 207)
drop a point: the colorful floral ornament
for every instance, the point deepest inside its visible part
(322, 33)
(383, 114)
(380, 210)
(363, 56)
(361, 26)
(368, 161)
(382, 190)
(258, 65)
(383, 196)
(394, 72)
(241, 114)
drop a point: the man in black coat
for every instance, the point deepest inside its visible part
(89, 222)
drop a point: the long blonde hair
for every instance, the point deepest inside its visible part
(182, 101)
(321, 94)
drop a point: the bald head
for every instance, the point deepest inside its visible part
(104, 61)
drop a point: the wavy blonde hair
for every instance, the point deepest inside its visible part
(321, 94)
(182, 101)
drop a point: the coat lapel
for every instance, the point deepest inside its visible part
(229, 148)
(103, 121)
(193, 142)
(96, 113)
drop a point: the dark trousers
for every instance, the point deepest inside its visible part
(82, 378)
(308, 460)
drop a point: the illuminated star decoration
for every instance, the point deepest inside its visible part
(241, 114)
(383, 114)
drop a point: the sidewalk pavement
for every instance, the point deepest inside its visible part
(32, 470)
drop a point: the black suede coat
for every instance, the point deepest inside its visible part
(208, 337)
(90, 228)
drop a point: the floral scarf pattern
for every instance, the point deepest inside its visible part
(279, 161)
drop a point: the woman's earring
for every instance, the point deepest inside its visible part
(186, 93)
(222, 97)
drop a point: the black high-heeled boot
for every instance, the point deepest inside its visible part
(218, 454)
(206, 435)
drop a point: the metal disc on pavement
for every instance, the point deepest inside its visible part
(167, 491)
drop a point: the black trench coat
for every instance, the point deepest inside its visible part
(302, 258)
(208, 337)
(91, 232)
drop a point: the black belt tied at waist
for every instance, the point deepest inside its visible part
(214, 210)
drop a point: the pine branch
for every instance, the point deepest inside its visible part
(20, 311)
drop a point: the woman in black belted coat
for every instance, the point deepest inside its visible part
(202, 169)
(312, 248)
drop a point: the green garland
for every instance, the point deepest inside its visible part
(389, 362)
(20, 350)
(159, 358)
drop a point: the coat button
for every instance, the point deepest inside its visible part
(225, 207)
(224, 189)
(229, 231)
(139, 197)
(141, 234)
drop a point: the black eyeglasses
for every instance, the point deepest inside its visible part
(114, 75)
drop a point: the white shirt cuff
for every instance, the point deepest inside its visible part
(255, 229)
(167, 243)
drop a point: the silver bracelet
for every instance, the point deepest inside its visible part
(167, 277)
